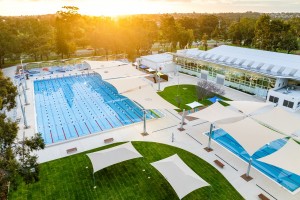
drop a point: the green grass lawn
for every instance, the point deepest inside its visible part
(187, 93)
(69, 178)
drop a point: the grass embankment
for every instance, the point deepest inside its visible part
(68, 178)
(187, 94)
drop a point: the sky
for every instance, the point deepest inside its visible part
(123, 7)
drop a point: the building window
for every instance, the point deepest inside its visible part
(273, 99)
(288, 104)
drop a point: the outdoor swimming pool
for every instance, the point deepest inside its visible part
(75, 106)
(287, 179)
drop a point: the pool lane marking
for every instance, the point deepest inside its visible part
(76, 130)
(129, 118)
(137, 115)
(87, 127)
(119, 120)
(109, 123)
(64, 133)
(98, 125)
(51, 136)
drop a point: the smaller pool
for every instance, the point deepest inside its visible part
(285, 178)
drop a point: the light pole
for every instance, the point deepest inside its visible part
(23, 112)
(23, 72)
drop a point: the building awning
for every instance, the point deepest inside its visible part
(287, 157)
(124, 85)
(249, 107)
(148, 98)
(250, 134)
(104, 158)
(280, 120)
(194, 104)
(182, 178)
(216, 112)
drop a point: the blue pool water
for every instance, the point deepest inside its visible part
(287, 179)
(74, 106)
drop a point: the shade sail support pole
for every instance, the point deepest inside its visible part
(249, 167)
(208, 148)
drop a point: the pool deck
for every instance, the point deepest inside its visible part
(161, 130)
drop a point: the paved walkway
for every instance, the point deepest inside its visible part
(160, 130)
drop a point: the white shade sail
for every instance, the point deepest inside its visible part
(250, 134)
(122, 71)
(104, 158)
(287, 157)
(103, 64)
(148, 98)
(216, 112)
(182, 178)
(194, 104)
(248, 107)
(280, 120)
(124, 85)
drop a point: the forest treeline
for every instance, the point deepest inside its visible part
(43, 37)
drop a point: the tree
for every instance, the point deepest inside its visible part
(262, 39)
(16, 157)
(204, 41)
(205, 88)
(65, 30)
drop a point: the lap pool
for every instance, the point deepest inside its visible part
(74, 106)
(285, 178)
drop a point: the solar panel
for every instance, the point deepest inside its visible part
(242, 61)
(293, 72)
(218, 58)
(250, 64)
(211, 56)
(270, 68)
(259, 65)
(280, 70)
(233, 60)
(226, 59)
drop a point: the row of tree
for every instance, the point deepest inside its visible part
(42, 37)
(266, 33)
(17, 160)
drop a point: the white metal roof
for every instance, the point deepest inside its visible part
(265, 62)
(159, 58)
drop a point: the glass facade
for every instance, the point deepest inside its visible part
(236, 78)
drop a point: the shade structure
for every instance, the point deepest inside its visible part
(122, 71)
(124, 85)
(182, 178)
(250, 134)
(148, 98)
(103, 64)
(214, 99)
(248, 107)
(216, 112)
(287, 157)
(280, 120)
(194, 104)
(104, 158)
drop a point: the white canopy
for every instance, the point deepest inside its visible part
(280, 120)
(122, 71)
(194, 104)
(182, 178)
(104, 158)
(287, 157)
(250, 134)
(248, 107)
(127, 84)
(215, 112)
(148, 98)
